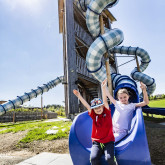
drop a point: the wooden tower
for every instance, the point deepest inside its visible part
(76, 41)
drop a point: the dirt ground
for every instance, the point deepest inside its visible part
(156, 141)
(11, 153)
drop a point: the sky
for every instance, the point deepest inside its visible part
(31, 48)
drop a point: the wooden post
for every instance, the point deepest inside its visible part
(107, 60)
(60, 14)
(14, 115)
(41, 107)
(65, 63)
(84, 96)
(137, 63)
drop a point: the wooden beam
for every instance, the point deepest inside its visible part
(80, 14)
(112, 59)
(137, 63)
(70, 73)
(107, 60)
(109, 15)
(60, 14)
(91, 79)
(90, 91)
(65, 67)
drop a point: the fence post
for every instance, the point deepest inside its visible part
(14, 117)
(41, 107)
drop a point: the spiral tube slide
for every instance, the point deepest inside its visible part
(96, 51)
(109, 41)
(131, 150)
(145, 60)
(83, 4)
(28, 96)
(93, 12)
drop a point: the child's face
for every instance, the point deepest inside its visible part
(123, 98)
(98, 110)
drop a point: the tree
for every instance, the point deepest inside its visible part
(154, 98)
(163, 96)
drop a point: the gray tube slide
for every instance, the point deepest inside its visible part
(11, 104)
(145, 60)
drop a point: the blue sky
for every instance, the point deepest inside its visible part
(31, 47)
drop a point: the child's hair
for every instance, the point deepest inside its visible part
(121, 91)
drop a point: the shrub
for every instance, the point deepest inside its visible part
(154, 98)
(151, 97)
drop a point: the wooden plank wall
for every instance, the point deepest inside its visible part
(82, 34)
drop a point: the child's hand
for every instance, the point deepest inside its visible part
(143, 86)
(77, 93)
(104, 83)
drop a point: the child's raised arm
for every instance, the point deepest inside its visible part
(145, 96)
(103, 88)
(110, 97)
(83, 101)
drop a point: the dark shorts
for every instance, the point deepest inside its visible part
(98, 149)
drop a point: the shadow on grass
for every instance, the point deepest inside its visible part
(153, 119)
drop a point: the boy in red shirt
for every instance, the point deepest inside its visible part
(102, 130)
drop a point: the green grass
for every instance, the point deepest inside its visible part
(157, 103)
(154, 118)
(153, 115)
(37, 130)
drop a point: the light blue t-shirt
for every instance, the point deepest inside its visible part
(123, 115)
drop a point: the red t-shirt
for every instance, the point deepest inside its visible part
(102, 130)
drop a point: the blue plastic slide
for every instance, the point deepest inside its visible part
(131, 150)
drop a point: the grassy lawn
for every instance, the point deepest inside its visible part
(37, 130)
(157, 103)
